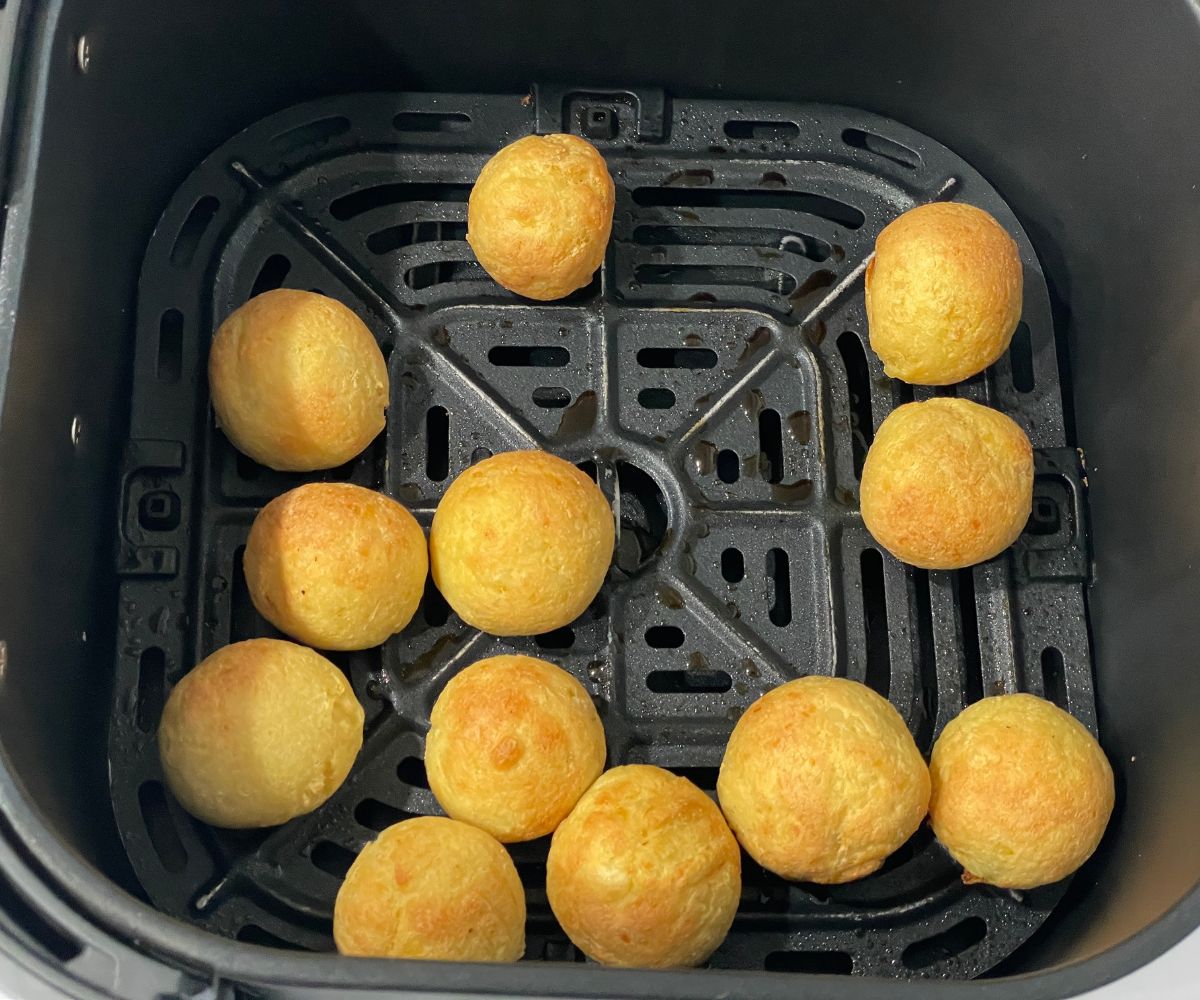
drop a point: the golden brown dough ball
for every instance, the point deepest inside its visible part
(540, 214)
(336, 566)
(821, 780)
(1022, 792)
(434, 888)
(644, 871)
(298, 382)
(260, 732)
(947, 483)
(521, 543)
(943, 293)
(514, 742)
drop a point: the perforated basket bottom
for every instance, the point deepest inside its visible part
(728, 434)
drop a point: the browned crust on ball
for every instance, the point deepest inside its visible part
(1022, 792)
(644, 871)
(432, 888)
(514, 742)
(947, 483)
(521, 543)
(540, 215)
(298, 382)
(821, 780)
(258, 733)
(336, 566)
(943, 293)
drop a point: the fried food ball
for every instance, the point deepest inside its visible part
(260, 732)
(432, 887)
(947, 483)
(1022, 792)
(821, 780)
(540, 214)
(515, 741)
(943, 293)
(298, 382)
(644, 871)
(336, 566)
(521, 543)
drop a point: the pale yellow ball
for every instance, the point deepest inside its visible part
(514, 742)
(947, 483)
(521, 543)
(943, 293)
(298, 382)
(258, 733)
(336, 566)
(1022, 791)
(432, 888)
(644, 871)
(540, 214)
(821, 780)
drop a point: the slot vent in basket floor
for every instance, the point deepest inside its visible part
(726, 426)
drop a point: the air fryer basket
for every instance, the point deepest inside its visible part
(1080, 115)
(726, 421)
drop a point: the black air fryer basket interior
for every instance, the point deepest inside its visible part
(756, 155)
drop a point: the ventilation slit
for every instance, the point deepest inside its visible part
(244, 620)
(551, 397)
(1021, 357)
(560, 638)
(711, 197)
(271, 275)
(378, 816)
(779, 576)
(411, 771)
(192, 230)
(434, 608)
(875, 620)
(688, 681)
(677, 357)
(949, 944)
(1054, 676)
(926, 656)
(656, 399)
(968, 616)
(664, 637)
(508, 356)
(437, 443)
(152, 668)
(170, 346)
(858, 386)
(761, 131)
(733, 565)
(770, 441)
(333, 859)
(882, 146)
(160, 827)
(311, 133)
(821, 963)
(431, 121)
(729, 466)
